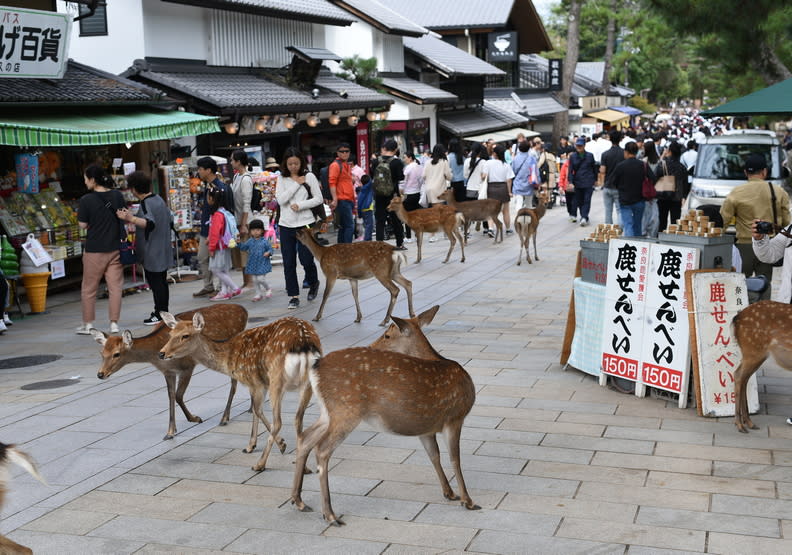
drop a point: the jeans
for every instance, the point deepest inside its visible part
(611, 199)
(368, 224)
(583, 201)
(158, 283)
(291, 249)
(346, 221)
(632, 219)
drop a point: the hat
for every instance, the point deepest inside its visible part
(270, 163)
(256, 224)
(755, 163)
(580, 141)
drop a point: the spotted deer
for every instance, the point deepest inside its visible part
(359, 261)
(761, 329)
(118, 351)
(399, 384)
(10, 454)
(480, 210)
(437, 218)
(526, 222)
(274, 358)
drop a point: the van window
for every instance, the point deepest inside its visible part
(727, 161)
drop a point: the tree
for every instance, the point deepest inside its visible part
(362, 71)
(609, 45)
(561, 119)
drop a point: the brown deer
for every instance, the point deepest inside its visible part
(420, 395)
(761, 330)
(118, 351)
(476, 211)
(526, 223)
(273, 358)
(10, 454)
(358, 261)
(437, 218)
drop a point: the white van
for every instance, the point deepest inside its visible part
(721, 162)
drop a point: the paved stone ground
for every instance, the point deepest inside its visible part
(557, 463)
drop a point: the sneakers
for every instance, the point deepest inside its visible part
(152, 320)
(220, 297)
(313, 290)
(236, 293)
(408, 240)
(509, 232)
(256, 298)
(204, 292)
(268, 294)
(294, 302)
(6, 320)
(2, 327)
(85, 329)
(432, 239)
(584, 222)
(789, 420)
(113, 328)
(573, 219)
(489, 233)
(306, 285)
(400, 247)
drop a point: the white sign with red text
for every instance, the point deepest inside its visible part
(33, 43)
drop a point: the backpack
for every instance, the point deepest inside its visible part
(255, 200)
(382, 179)
(324, 179)
(228, 238)
(544, 172)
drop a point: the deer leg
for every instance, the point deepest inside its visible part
(518, 229)
(10, 547)
(304, 447)
(256, 398)
(276, 396)
(329, 282)
(499, 229)
(184, 378)
(453, 432)
(394, 293)
(419, 242)
(324, 449)
(430, 445)
(353, 284)
(407, 285)
(461, 245)
(467, 232)
(536, 254)
(170, 382)
(227, 412)
(527, 245)
(745, 370)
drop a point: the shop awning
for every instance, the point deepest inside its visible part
(629, 110)
(610, 116)
(775, 99)
(504, 135)
(101, 128)
(486, 119)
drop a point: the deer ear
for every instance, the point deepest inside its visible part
(404, 325)
(127, 337)
(168, 319)
(425, 318)
(99, 336)
(198, 321)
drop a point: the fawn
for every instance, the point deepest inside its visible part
(526, 223)
(436, 218)
(420, 395)
(476, 211)
(273, 358)
(358, 261)
(10, 454)
(117, 352)
(761, 330)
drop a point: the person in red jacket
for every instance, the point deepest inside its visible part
(566, 188)
(219, 243)
(342, 188)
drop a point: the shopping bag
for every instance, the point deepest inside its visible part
(38, 255)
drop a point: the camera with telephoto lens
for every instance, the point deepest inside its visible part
(764, 228)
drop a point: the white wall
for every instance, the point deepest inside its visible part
(348, 41)
(401, 110)
(124, 42)
(174, 30)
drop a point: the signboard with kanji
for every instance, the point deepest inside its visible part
(33, 43)
(646, 333)
(715, 298)
(555, 74)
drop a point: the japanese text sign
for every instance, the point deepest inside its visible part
(33, 43)
(715, 299)
(27, 170)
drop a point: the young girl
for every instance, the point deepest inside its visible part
(218, 243)
(259, 264)
(365, 205)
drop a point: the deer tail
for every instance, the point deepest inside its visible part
(399, 258)
(460, 218)
(9, 453)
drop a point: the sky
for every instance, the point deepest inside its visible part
(544, 6)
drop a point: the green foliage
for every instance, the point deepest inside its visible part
(642, 104)
(362, 71)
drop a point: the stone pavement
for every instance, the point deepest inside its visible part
(557, 463)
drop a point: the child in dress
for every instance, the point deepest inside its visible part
(219, 241)
(259, 262)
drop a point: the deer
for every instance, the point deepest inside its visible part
(526, 223)
(10, 454)
(401, 385)
(437, 218)
(761, 330)
(274, 358)
(359, 261)
(476, 211)
(118, 351)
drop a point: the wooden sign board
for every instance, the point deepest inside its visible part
(715, 298)
(646, 335)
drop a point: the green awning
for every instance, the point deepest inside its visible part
(101, 128)
(775, 99)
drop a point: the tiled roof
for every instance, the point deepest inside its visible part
(471, 122)
(416, 91)
(254, 90)
(311, 53)
(533, 105)
(315, 11)
(456, 14)
(448, 59)
(82, 85)
(382, 17)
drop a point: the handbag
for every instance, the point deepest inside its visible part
(648, 190)
(318, 211)
(126, 249)
(667, 183)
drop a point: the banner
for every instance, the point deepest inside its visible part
(33, 43)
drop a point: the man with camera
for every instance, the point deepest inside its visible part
(757, 200)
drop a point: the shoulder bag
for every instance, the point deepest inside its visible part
(126, 249)
(318, 211)
(648, 190)
(667, 183)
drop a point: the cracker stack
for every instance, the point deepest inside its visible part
(604, 233)
(695, 224)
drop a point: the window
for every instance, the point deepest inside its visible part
(95, 25)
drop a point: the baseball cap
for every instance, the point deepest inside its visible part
(755, 163)
(580, 141)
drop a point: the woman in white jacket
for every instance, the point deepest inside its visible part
(436, 175)
(297, 192)
(769, 250)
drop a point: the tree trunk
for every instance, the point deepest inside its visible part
(609, 45)
(561, 119)
(772, 68)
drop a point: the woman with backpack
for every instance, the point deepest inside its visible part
(222, 229)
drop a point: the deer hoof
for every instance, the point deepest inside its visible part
(258, 468)
(223, 423)
(282, 446)
(167, 437)
(451, 496)
(470, 506)
(196, 419)
(335, 521)
(248, 449)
